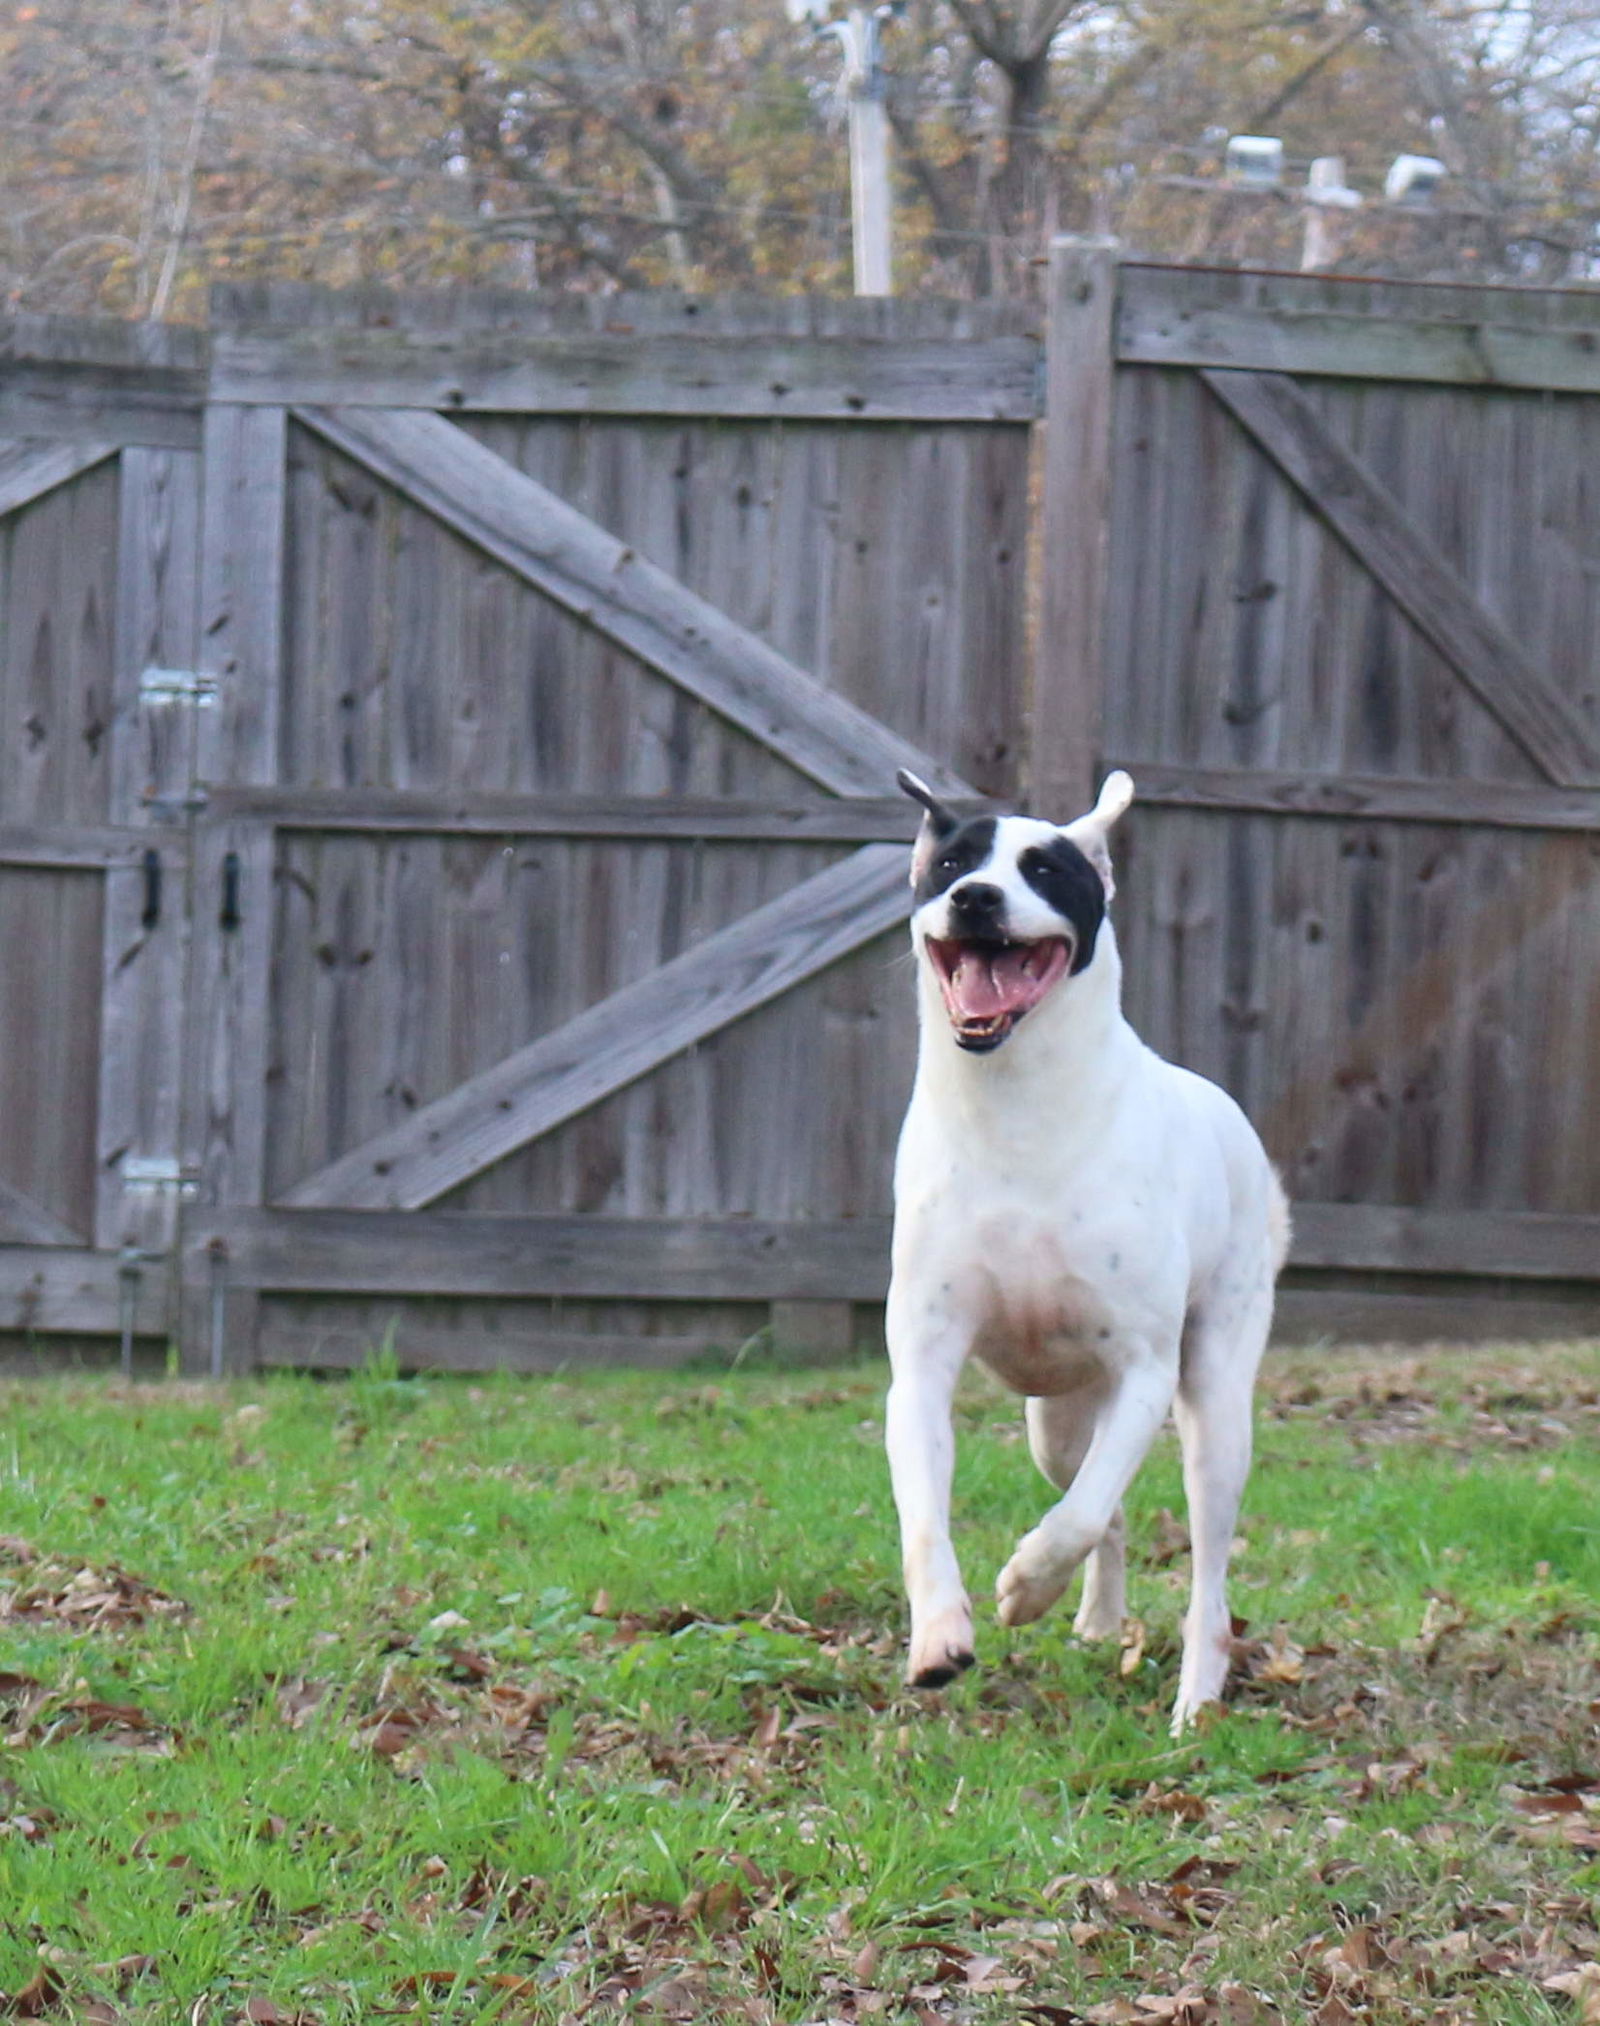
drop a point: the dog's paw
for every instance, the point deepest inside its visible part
(1030, 1582)
(1187, 1713)
(1203, 1676)
(1097, 1620)
(940, 1650)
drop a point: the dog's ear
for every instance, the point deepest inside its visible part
(1091, 833)
(937, 822)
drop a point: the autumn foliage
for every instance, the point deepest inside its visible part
(149, 147)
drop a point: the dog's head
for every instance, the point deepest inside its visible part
(1007, 907)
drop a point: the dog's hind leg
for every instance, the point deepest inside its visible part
(1126, 1424)
(1059, 1428)
(1221, 1351)
(926, 1356)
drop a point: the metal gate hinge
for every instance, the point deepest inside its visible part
(156, 1172)
(177, 685)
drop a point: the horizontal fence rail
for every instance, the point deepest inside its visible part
(709, 1258)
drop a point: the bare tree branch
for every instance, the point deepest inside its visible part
(191, 159)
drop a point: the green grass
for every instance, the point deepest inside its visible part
(527, 1700)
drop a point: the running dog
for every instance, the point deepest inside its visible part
(1100, 1228)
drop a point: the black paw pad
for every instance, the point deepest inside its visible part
(945, 1671)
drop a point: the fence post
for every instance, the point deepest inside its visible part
(1068, 663)
(244, 467)
(146, 935)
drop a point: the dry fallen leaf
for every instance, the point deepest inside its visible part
(1582, 1986)
(1140, 1909)
(1172, 1538)
(1239, 2006)
(85, 1596)
(1132, 1646)
(1281, 1660)
(268, 2012)
(37, 1997)
(1174, 1801)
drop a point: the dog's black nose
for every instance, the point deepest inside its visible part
(976, 906)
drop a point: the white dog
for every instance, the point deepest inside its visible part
(1100, 1228)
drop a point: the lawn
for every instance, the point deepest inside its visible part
(568, 1699)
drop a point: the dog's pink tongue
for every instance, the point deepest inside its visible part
(987, 982)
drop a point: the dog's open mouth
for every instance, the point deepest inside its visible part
(988, 986)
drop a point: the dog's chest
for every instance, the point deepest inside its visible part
(1044, 1323)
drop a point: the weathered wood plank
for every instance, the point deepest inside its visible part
(699, 374)
(749, 1259)
(1367, 1315)
(98, 381)
(1495, 805)
(307, 1347)
(629, 599)
(49, 1038)
(1366, 348)
(436, 1252)
(241, 646)
(157, 620)
(403, 812)
(1069, 674)
(92, 408)
(25, 1222)
(241, 592)
(109, 343)
(66, 846)
(1269, 289)
(31, 468)
(224, 1098)
(622, 1038)
(226, 1059)
(58, 563)
(1454, 1311)
(146, 932)
(642, 314)
(1414, 573)
(1387, 1238)
(58, 567)
(47, 1290)
(1407, 332)
(815, 1328)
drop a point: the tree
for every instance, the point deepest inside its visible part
(149, 147)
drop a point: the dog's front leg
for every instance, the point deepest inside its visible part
(1125, 1424)
(926, 1354)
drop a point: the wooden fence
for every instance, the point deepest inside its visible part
(451, 876)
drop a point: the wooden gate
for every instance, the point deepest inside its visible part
(97, 617)
(1323, 574)
(542, 1001)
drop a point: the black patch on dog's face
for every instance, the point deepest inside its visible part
(966, 848)
(1064, 879)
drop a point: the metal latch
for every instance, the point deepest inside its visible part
(177, 685)
(156, 1172)
(174, 808)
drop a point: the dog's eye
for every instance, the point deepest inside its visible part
(949, 863)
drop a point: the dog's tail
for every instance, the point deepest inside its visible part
(1280, 1225)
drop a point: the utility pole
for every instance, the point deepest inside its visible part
(859, 33)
